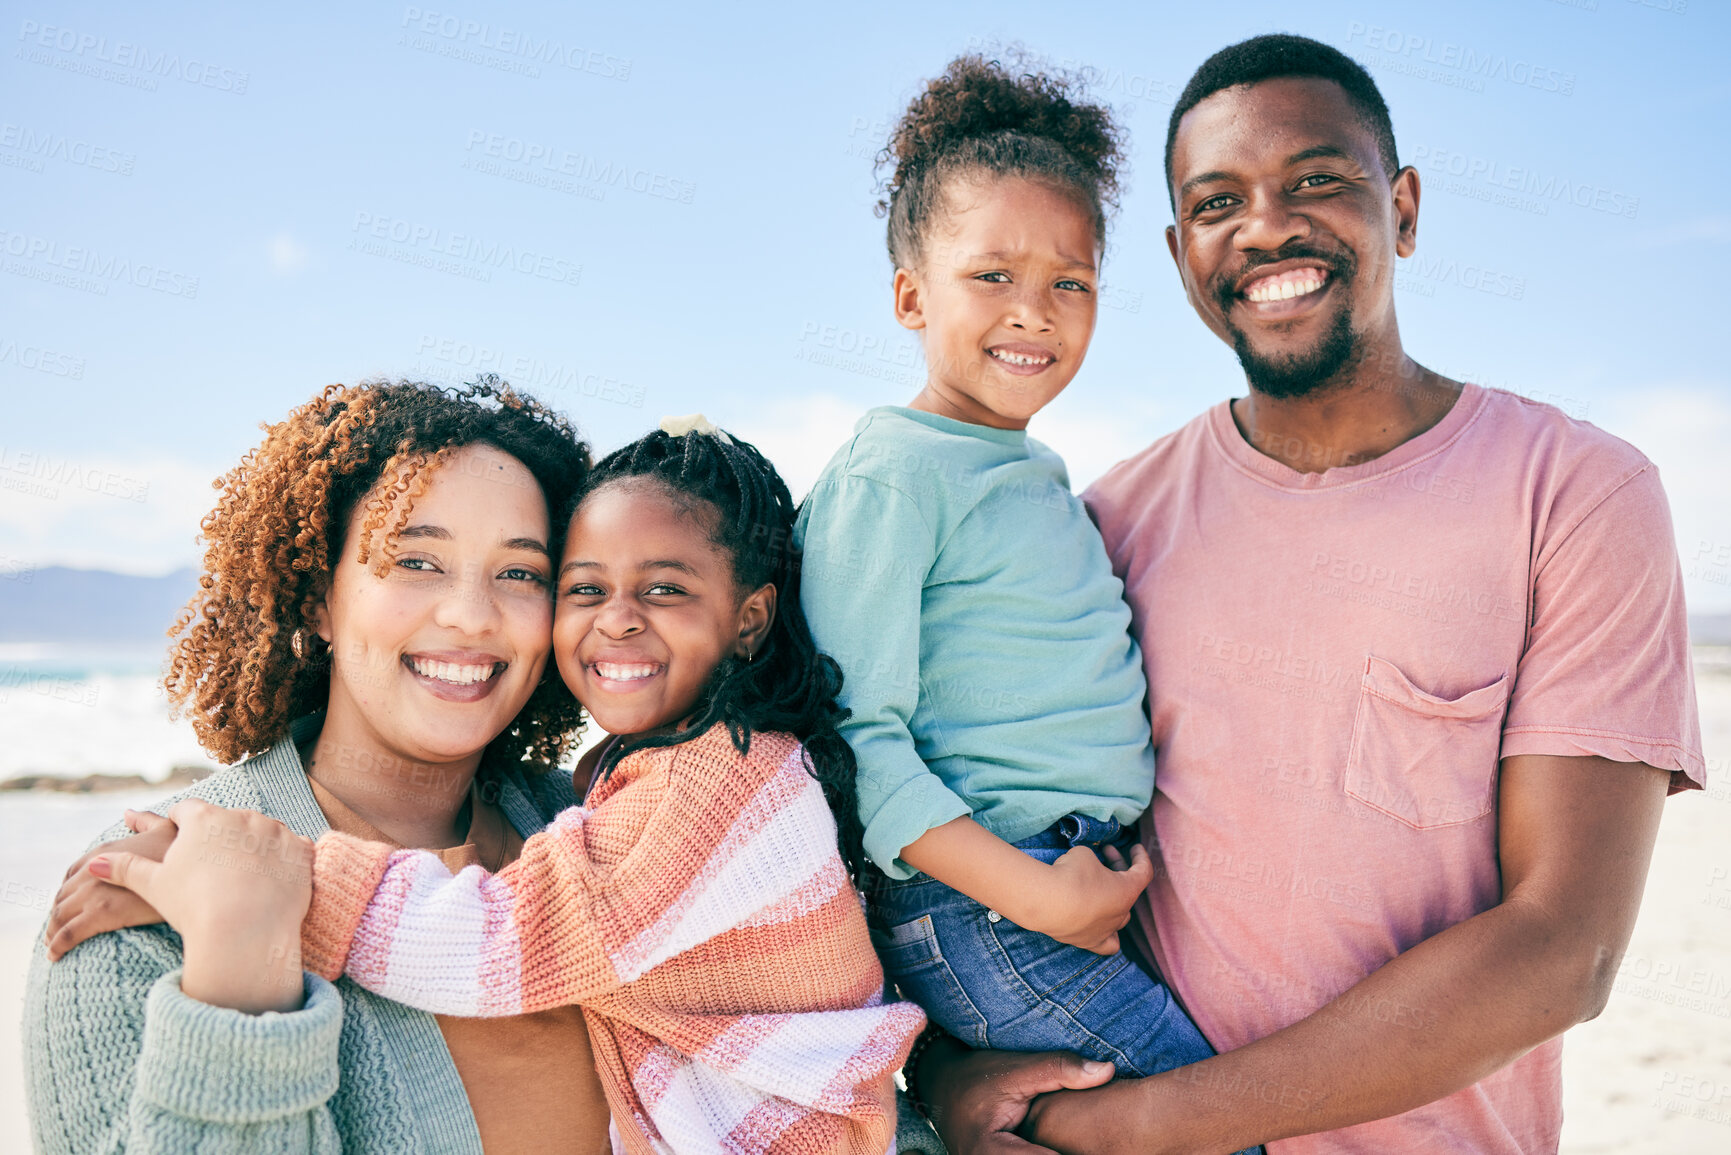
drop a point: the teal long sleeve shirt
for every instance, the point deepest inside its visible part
(984, 642)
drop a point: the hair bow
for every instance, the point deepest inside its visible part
(693, 423)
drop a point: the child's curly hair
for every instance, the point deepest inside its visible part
(277, 533)
(980, 117)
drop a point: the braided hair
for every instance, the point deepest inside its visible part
(789, 686)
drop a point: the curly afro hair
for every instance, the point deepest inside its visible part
(354, 451)
(981, 118)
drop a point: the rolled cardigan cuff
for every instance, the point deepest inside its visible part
(225, 1066)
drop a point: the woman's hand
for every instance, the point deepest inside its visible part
(86, 906)
(236, 885)
(1089, 901)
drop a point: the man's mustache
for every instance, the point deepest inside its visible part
(1340, 265)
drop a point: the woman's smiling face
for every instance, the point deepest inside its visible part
(648, 606)
(434, 659)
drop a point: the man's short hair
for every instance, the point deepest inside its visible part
(1276, 55)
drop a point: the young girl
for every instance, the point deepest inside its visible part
(996, 696)
(696, 905)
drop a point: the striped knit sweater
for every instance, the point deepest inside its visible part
(699, 912)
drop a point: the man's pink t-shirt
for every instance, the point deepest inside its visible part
(1337, 660)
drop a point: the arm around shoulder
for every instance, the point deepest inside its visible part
(562, 924)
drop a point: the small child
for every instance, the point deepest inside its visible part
(695, 905)
(997, 698)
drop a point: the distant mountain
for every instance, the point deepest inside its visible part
(57, 604)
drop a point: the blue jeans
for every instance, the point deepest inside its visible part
(990, 983)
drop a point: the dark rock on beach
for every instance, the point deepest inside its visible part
(178, 777)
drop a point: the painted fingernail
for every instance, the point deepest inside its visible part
(100, 867)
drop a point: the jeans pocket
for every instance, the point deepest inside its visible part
(1055, 972)
(1423, 760)
(913, 957)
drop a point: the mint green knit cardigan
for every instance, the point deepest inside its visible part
(117, 1059)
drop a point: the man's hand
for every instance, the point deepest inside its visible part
(1574, 838)
(1087, 901)
(977, 1099)
(87, 906)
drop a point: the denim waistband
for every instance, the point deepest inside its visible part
(1076, 830)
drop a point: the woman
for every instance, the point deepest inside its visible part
(371, 635)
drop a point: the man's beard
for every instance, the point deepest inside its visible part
(1314, 370)
(1287, 375)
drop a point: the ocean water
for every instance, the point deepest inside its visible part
(72, 710)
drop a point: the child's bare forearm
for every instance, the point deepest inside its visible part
(965, 856)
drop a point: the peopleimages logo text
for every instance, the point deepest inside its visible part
(1530, 181)
(579, 166)
(466, 247)
(1465, 59)
(516, 42)
(125, 54)
(49, 473)
(55, 146)
(94, 263)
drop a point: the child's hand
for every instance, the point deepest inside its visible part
(235, 884)
(1078, 900)
(86, 906)
(1089, 901)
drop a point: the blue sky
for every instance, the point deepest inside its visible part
(207, 213)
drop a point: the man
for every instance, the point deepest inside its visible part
(1419, 681)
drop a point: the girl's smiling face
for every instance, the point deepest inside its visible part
(1006, 295)
(648, 606)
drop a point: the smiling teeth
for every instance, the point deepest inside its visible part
(453, 673)
(619, 672)
(1019, 358)
(1286, 286)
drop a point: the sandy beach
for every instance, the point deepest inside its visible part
(1652, 1075)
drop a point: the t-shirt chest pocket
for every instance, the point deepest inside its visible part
(1424, 760)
